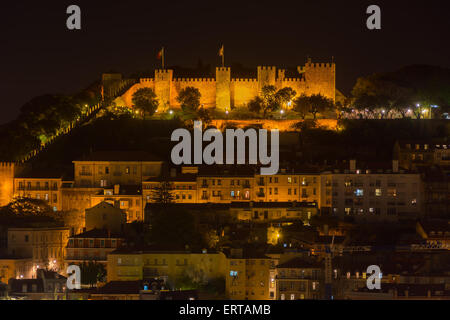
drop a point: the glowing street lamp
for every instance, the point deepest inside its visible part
(170, 111)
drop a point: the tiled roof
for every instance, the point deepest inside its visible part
(97, 233)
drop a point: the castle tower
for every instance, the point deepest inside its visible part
(163, 85)
(223, 95)
(320, 78)
(6, 182)
(266, 77)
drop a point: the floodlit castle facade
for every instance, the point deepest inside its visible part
(225, 92)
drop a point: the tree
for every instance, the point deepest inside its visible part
(189, 99)
(255, 105)
(92, 272)
(145, 100)
(28, 206)
(320, 104)
(302, 105)
(163, 193)
(45, 115)
(285, 95)
(270, 99)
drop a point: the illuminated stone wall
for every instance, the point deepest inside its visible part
(7, 170)
(224, 92)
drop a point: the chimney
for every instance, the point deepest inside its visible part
(394, 166)
(116, 188)
(353, 165)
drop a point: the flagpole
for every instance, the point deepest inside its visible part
(223, 57)
(162, 58)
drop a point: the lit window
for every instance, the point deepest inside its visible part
(378, 192)
(359, 192)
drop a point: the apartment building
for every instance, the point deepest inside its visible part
(288, 187)
(127, 198)
(273, 211)
(129, 265)
(106, 168)
(93, 245)
(45, 246)
(414, 154)
(299, 279)
(248, 276)
(368, 195)
(43, 188)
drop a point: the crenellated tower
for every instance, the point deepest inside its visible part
(7, 173)
(266, 76)
(223, 94)
(320, 78)
(163, 85)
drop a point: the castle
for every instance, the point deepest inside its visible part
(224, 92)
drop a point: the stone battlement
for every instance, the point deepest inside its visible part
(194, 79)
(7, 164)
(268, 68)
(293, 80)
(244, 80)
(146, 80)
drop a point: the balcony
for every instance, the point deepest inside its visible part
(246, 186)
(260, 194)
(204, 185)
(260, 183)
(205, 198)
(85, 174)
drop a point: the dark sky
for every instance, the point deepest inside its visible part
(39, 55)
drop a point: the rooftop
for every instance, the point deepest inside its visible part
(132, 155)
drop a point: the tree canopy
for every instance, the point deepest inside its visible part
(189, 99)
(145, 100)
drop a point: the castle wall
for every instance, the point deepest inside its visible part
(266, 77)
(224, 92)
(206, 86)
(242, 91)
(6, 182)
(144, 83)
(320, 78)
(7, 172)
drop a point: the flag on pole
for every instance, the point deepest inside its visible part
(160, 56)
(221, 54)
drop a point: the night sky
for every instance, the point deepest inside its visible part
(40, 55)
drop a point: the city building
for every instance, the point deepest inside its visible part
(93, 245)
(372, 195)
(45, 246)
(248, 276)
(300, 278)
(414, 154)
(43, 188)
(127, 265)
(16, 268)
(105, 216)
